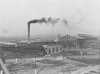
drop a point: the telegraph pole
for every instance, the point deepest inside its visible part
(36, 70)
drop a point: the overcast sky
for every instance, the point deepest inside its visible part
(83, 16)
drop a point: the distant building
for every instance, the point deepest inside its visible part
(69, 41)
(89, 42)
(52, 49)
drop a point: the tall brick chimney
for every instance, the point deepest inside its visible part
(28, 35)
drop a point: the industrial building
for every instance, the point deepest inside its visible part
(52, 49)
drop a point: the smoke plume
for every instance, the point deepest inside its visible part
(42, 20)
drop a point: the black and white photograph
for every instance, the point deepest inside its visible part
(49, 36)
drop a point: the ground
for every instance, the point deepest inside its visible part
(56, 64)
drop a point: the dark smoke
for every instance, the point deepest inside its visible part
(49, 20)
(65, 21)
(42, 20)
(52, 21)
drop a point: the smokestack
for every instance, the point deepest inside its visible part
(28, 31)
(42, 20)
(28, 27)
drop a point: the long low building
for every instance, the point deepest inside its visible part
(52, 49)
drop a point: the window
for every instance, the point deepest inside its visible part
(49, 50)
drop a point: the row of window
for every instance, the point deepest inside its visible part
(53, 50)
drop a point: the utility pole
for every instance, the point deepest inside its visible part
(36, 70)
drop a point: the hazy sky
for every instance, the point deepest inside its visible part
(82, 15)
